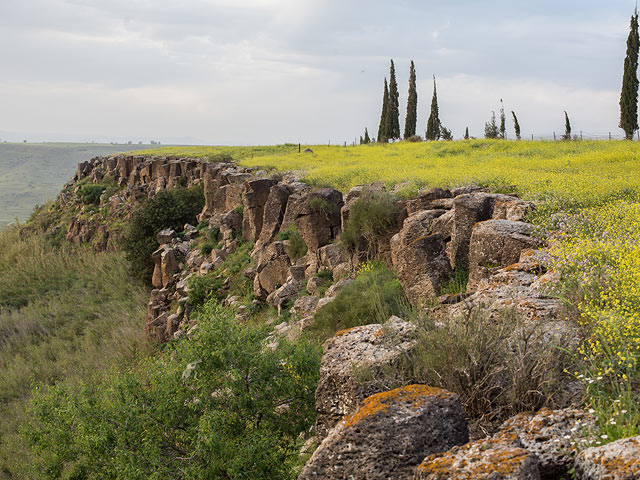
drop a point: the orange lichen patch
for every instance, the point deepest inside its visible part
(416, 395)
(379, 333)
(493, 458)
(623, 460)
(514, 267)
(341, 333)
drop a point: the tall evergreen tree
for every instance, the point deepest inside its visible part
(516, 125)
(567, 127)
(491, 128)
(383, 129)
(412, 105)
(466, 134)
(394, 104)
(433, 124)
(367, 139)
(503, 122)
(629, 94)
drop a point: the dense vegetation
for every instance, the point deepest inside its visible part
(65, 314)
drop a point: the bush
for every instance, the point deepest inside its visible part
(498, 366)
(414, 138)
(167, 209)
(370, 216)
(206, 248)
(373, 297)
(297, 247)
(219, 405)
(202, 287)
(90, 193)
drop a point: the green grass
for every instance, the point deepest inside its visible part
(64, 314)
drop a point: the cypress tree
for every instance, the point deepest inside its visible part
(491, 128)
(383, 129)
(516, 125)
(412, 105)
(433, 124)
(629, 94)
(567, 127)
(394, 104)
(466, 134)
(503, 122)
(367, 139)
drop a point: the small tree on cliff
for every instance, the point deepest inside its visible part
(491, 128)
(383, 129)
(629, 94)
(412, 105)
(394, 104)
(466, 134)
(367, 139)
(503, 122)
(433, 124)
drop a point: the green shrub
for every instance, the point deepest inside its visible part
(297, 247)
(458, 284)
(369, 217)
(209, 407)
(206, 248)
(202, 287)
(213, 233)
(319, 204)
(90, 193)
(167, 209)
(239, 210)
(373, 297)
(325, 274)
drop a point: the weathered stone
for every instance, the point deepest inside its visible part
(272, 268)
(304, 306)
(429, 200)
(332, 255)
(550, 435)
(274, 209)
(372, 347)
(254, 199)
(619, 460)
(341, 271)
(489, 459)
(165, 236)
(315, 283)
(389, 435)
(169, 265)
(419, 258)
(512, 209)
(494, 244)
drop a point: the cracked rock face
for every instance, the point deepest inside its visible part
(389, 435)
(619, 460)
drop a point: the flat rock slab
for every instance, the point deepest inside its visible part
(619, 460)
(492, 459)
(389, 435)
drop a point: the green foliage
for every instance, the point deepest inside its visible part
(458, 284)
(503, 123)
(516, 125)
(206, 248)
(466, 133)
(629, 94)
(394, 105)
(445, 133)
(373, 297)
(366, 140)
(239, 210)
(90, 193)
(65, 313)
(498, 366)
(567, 127)
(167, 209)
(213, 233)
(411, 119)
(370, 216)
(218, 405)
(491, 128)
(433, 124)
(383, 129)
(297, 247)
(202, 287)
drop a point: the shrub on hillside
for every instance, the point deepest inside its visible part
(297, 247)
(369, 216)
(167, 209)
(373, 297)
(90, 193)
(219, 405)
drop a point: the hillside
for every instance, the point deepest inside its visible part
(33, 173)
(306, 330)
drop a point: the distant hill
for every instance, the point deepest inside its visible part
(33, 173)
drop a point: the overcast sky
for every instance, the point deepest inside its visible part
(273, 71)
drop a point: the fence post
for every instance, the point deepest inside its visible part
(554, 136)
(298, 148)
(580, 134)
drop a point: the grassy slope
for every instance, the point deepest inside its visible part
(32, 174)
(64, 313)
(572, 174)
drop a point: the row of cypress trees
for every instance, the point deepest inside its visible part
(389, 128)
